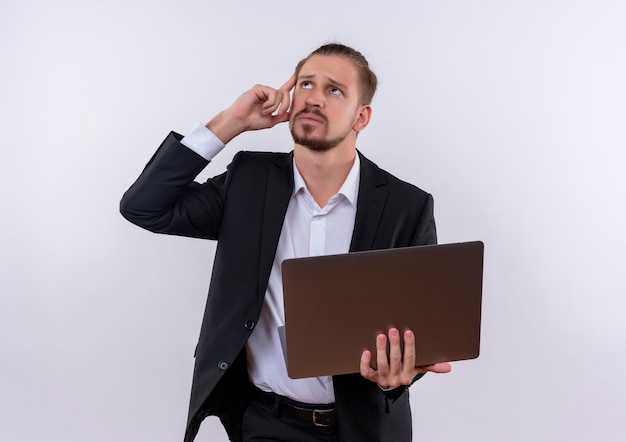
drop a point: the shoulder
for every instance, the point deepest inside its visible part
(263, 155)
(378, 177)
(249, 167)
(261, 159)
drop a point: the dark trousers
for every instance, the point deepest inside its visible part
(268, 418)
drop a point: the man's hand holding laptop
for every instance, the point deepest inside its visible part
(397, 369)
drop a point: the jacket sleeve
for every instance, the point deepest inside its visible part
(426, 232)
(165, 198)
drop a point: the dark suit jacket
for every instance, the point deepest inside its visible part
(244, 210)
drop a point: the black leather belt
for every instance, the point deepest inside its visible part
(318, 415)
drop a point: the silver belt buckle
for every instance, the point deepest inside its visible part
(316, 417)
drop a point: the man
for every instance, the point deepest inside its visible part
(322, 198)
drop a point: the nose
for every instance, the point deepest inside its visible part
(315, 98)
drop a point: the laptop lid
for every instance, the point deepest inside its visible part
(335, 305)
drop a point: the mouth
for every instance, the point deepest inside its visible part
(309, 119)
(311, 116)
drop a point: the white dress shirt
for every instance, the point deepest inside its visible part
(308, 230)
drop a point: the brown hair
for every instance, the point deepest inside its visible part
(367, 76)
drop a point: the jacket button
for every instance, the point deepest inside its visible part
(249, 325)
(222, 365)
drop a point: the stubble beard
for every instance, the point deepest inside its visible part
(315, 144)
(305, 138)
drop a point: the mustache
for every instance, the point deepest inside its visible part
(315, 111)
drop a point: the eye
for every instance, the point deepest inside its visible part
(336, 91)
(306, 85)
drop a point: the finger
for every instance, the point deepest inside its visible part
(440, 367)
(366, 366)
(272, 101)
(265, 96)
(262, 92)
(289, 84)
(279, 118)
(381, 356)
(277, 100)
(395, 352)
(408, 360)
(283, 109)
(281, 103)
(286, 98)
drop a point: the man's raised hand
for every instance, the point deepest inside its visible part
(261, 107)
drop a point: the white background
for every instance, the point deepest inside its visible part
(512, 113)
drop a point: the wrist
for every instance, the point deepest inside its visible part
(225, 127)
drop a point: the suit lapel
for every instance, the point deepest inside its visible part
(277, 195)
(370, 205)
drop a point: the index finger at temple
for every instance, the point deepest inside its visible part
(289, 84)
(286, 97)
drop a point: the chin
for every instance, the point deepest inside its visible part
(303, 136)
(316, 144)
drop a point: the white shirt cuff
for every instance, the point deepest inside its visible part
(203, 142)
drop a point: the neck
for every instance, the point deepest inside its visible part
(324, 172)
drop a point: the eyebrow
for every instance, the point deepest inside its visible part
(311, 76)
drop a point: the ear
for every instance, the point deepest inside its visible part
(363, 118)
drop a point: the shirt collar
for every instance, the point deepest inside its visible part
(349, 189)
